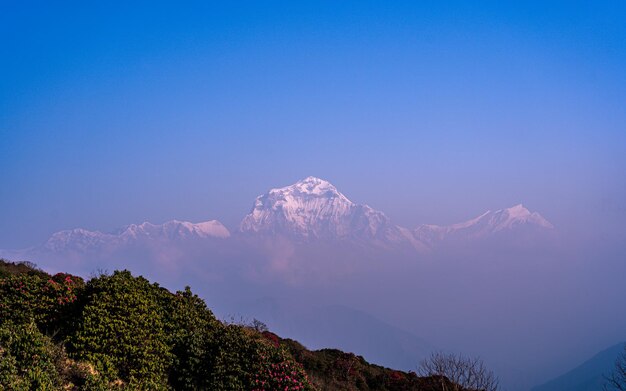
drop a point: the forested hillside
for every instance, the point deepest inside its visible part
(121, 332)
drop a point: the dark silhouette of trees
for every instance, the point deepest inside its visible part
(465, 373)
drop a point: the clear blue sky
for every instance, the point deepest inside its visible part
(116, 113)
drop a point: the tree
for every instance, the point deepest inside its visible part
(465, 373)
(617, 379)
(26, 358)
(121, 330)
(191, 327)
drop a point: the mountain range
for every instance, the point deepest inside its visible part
(310, 210)
(174, 231)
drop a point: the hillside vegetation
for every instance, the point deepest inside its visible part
(121, 332)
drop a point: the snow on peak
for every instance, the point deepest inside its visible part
(310, 186)
(484, 225)
(314, 185)
(505, 219)
(311, 208)
(174, 229)
(77, 238)
(82, 239)
(518, 211)
(314, 208)
(518, 214)
(298, 208)
(212, 228)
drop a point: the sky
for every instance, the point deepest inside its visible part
(117, 113)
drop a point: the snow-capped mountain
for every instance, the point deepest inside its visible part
(486, 225)
(313, 209)
(175, 229)
(84, 240)
(78, 239)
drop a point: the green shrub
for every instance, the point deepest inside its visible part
(121, 331)
(26, 359)
(241, 359)
(48, 301)
(191, 329)
(11, 268)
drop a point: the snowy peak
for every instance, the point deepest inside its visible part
(518, 211)
(510, 218)
(487, 224)
(211, 228)
(175, 229)
(299, 208)
(313, 186)
(518, 214)
(76, 239)
(83, 240)
(313, 208)
(310, 209)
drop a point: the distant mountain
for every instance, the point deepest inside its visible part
(589, 376)
(343, 327)
(84, 240)
(313, 209)
(489, 224)
(310, 212)
(85, 251)
(174, 230)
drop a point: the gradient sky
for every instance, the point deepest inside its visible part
(114, 113)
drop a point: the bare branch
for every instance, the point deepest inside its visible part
(465, 373)
(617, 379)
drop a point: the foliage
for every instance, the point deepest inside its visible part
(121, 330)
(278, 371)
(123, 333)
(12, 268)
(48, 301)
(332, 369)
(242, 359)
(191, 327)
(26, 358)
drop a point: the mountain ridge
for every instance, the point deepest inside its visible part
(310, 209)
(82, 239)
(313, 208)
(589, 375)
